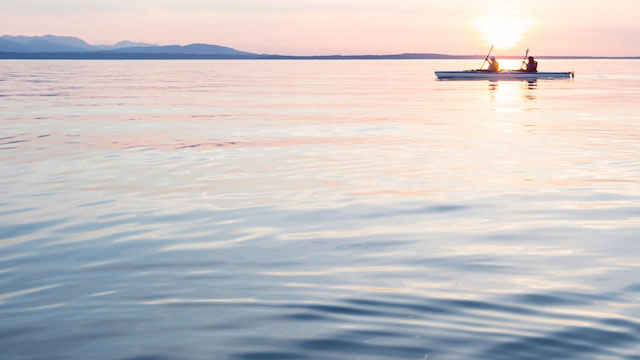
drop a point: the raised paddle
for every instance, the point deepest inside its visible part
(487, 58)
(525, 59)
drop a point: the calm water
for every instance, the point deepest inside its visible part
(317, 210)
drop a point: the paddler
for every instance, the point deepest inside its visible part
(532, 65)
(493, 65)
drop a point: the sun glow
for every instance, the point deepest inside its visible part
(502, 29)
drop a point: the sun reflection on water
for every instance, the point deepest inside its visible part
(509, 96)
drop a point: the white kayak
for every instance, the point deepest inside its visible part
(501, 75)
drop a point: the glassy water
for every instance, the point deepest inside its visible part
(318, 210)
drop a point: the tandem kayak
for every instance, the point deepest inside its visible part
(502, 75)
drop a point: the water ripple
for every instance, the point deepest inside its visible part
(317, 210)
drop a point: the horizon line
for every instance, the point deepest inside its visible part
(107, 55)
(306, 56)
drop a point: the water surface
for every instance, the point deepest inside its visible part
(318, 210)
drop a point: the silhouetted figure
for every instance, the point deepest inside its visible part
(532, 65)
(493, 65)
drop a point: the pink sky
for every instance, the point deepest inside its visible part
(313, 27)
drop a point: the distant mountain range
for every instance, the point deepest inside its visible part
(68, 44)
(68, 47)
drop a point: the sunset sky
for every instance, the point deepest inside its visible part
(306, 27)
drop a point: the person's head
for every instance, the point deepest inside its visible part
(530, 58)
(493, 58)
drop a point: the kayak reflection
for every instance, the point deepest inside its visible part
(511, 96)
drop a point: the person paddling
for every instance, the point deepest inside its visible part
(532, 65)
(494, 66)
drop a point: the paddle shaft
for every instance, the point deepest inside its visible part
(487, 58)
(525, 58)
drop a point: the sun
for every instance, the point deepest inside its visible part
(502, 29)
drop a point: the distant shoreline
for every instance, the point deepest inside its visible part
(119, 56)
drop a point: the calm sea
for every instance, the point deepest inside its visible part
(318, 210)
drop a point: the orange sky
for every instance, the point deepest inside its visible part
(314, 27)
